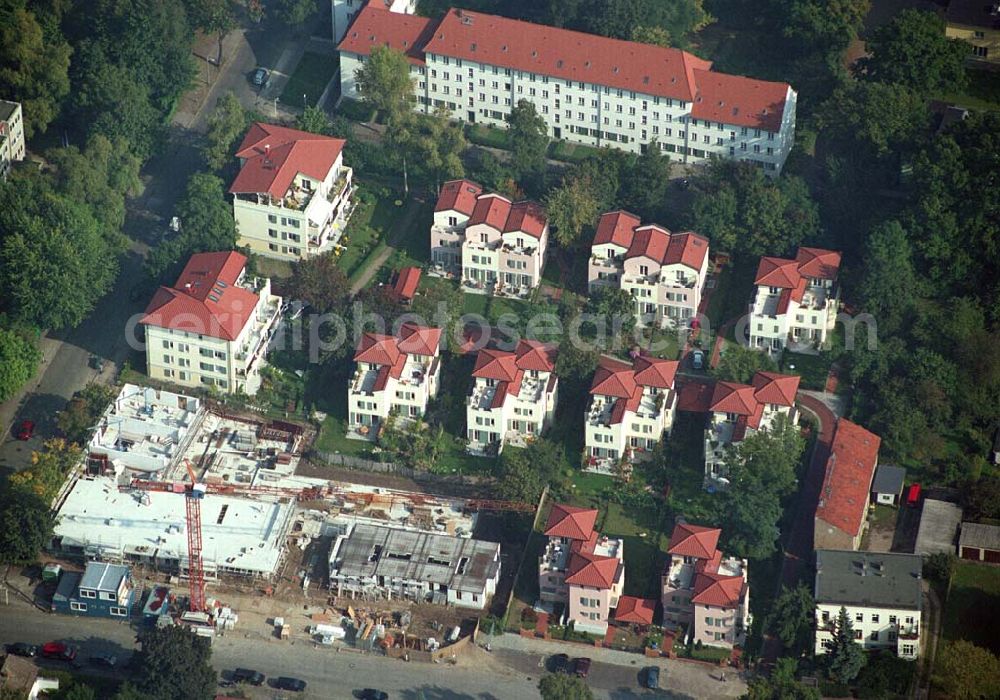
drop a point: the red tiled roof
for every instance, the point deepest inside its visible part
(534, 355)
(649, 241)
(375, 26)
(616, 227)
(694, 540)
(491, 209)
(458, 195)
(635, 610)
(709, 566)
(777, 272)
(818, 263)
(273, 155)
(593, 570)
(843, 500)
(717, 590)
(694, 396)
(655, 372)
(527, 217)
(775, 388)
(688, 249)
(570, 522)
(205, 298)
(378, 349)
(613, 378)
(730, 397)
(419, 340)
(407, 280)
(495, 364)
(733, 99)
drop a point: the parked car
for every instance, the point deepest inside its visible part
(25, 430)
(559, 663)
(287, 683)
(59, 650)
(261, 78)
(697, 359)
(108, 660)
(248, 675)
(22, 649)
(372, 694)
(653, 677)
(581, 667)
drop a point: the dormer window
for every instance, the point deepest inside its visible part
(644, 269)
(484, 238)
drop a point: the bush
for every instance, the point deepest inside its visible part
(829, 689)
(939, 567)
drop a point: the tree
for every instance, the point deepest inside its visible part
(572, 208)
(213, 16)
(49, 469)
(913, 51)
(174, 663)
(826, 25)
(226, 125)
(781, 685)
(77, 691)
(644, 186)
(616, 309)
(620, 18)
(527, 139)
(320, 283)
(314, 120)
(523, 473)
(889, 283)
(967, 672)
(739, 363)
(82, 412)
(885, 675)
(575, 364)
(845, 657)
(657, 36)
(295, 11)
(982, 499)
(792, 618)
(562, 686)
(25, 526)
(34, 65)
(384, 82)
(435, 143)
(19, 358)
(127, 691)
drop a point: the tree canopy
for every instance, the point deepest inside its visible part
(527, 139)
(384, 82)
(966, 672)
(320, 283)
(739, 363)
(792, 618)
(562, 686)
(19, 358)
(226, 125)
(26, 524)
(845, 657)
(173, 662)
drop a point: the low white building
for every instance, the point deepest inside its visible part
(292, 196)
(395, 374)
(514, 396)
(12, 146)
(213, 327)
(664, 272)
(881, 592)
(795, 303)
(632, 407)
(494, 245)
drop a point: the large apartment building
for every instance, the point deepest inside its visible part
(795, 302)
(664, 272)
(494, 245)
(581, 569)
(704, 591)
(292, 196)
(343, 12)
(588, 89)
(213, 327)
(514, 395)
(12, 146)
(631, 409)
(395, 374)
(738, 410)
(842, 511)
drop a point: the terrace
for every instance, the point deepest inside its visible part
(815, 298)
(555, 557)
(482, 395)
(599, 413)
(765, 304)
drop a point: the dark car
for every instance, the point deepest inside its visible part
(559, 663)
(652, 677)
(581, 667)
(59, 650)
(22, 649)
(286, 683)
(108, 660)
(248, 675)
(261, 78)
(26, 430)
(697, 359)
(372, 694)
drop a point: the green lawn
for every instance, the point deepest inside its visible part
(414, 245)
(982, 92)
(571, 152)
(813, 369)
(489, 136)
(355, 110)
(972, 611)
(686, 469)
(309, 78)
(475, 304)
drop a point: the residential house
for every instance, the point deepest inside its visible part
(581, 569)
(494, 245)
(396, 374)
(405, 284)
(703, 591)
(978, 23)
(588, 89)
(979, 542)
(665, 272)
(19, 676)
(12, 146)
(737, 410)
(292, 196)
(631, 409)
(103, 590)
(841, 514)
(514, 395)
(796, 301)
(887, 486)
(213, 327)
(881, 593)
(343, 12)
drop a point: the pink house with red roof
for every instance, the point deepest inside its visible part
(213, 326)
(632, 407)
(588, 89)
(396, 375)
(494, 245)
(292, 196)
(702, 590)
(842, 511)
(664, 272)
(514, 396)
(581, 569)
(795, 303)
(737, 410)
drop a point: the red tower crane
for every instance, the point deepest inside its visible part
(196, 567)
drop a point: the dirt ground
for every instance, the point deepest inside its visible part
(882, 531)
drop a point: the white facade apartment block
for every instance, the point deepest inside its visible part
(475, 66)
(343, 12)
(12, 145)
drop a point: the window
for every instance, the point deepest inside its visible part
(858, 635)
(874, 636)
(271, 218)
(980, 51)
(859, 617)
(874, 617)
(892, 619)
(107, 595)
(119, 612)
(907, 650)
(78, 607)
(87, 593)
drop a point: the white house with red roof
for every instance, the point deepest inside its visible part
(343, 12)
(396, 374)
(588, 89)
(632, 407)
(741, 409)
(581, 569)
(213, 327)
(842, 511)
(494, 245)
(292, 196)
(514, 396)
(665, 272)
(795, 303)
(703, 590)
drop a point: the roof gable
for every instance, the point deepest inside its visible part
(733, 99)
(495, 364)
(650, 242)
(777, 272)
(655, 372)
(534, 355)
(415, 339)
(775, 388)
(717, 590)
(376, 26)
(571, 522)
(273, 155)
(377, 349)
(617, 228)
(818, 263)
(527, 217)
(730, 397)
(492, 210)
(635, 610)
(592, 570)
(458, 195)
(694, 541)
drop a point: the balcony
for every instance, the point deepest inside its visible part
(363, 382)
(514, 250)
(609, 263)
(481, 398)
